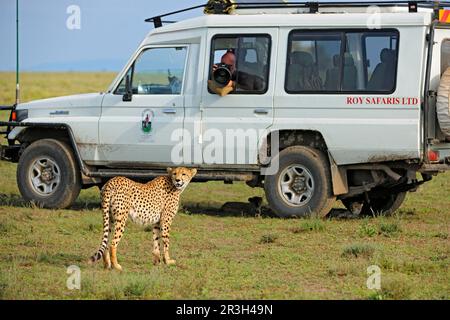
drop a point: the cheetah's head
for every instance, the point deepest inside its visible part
(181, 176)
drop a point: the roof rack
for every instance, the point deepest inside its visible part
(228, 6)
(158, 22)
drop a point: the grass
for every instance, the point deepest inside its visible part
(358, 250)
(268, 238)
(387, 228)
(366, 229)
(312, 224)
(218, 256)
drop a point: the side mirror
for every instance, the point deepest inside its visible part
(128, 96)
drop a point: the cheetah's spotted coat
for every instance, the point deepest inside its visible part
(154, 203)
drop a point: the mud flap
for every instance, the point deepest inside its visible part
(339, 177)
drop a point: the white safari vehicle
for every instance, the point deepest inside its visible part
(313, 102)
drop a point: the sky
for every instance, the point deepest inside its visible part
(102, 39)
(108, 34)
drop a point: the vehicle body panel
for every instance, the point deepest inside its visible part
(107, 129)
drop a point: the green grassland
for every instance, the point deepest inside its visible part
(220, 255)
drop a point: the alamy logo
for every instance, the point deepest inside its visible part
(74, 280)
(73, 22)
(374, 20)
(230, 146)
(374, 279)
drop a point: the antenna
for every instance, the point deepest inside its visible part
(17, 55)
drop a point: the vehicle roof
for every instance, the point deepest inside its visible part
(335, 20)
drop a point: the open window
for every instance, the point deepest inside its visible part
(247, 59)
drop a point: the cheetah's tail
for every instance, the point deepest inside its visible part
(106, 229)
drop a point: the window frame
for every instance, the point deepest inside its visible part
(366, 33)
(133, 63)
(242, 35)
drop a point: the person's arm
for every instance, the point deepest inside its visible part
(221, 91)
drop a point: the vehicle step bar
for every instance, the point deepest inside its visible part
(202, 175)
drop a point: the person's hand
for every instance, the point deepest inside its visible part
(221, 91)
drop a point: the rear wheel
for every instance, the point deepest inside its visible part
(48, 175)
(302, 186)
(380, 203)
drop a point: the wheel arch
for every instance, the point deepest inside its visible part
(32, 132)
(308, 138)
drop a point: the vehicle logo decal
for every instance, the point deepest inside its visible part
(147, 119)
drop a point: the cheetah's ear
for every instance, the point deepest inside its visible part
(194, 171)
(169, 170)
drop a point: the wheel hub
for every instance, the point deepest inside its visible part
(299, 184)
(296, 185)
(47, 175)
(44, 176)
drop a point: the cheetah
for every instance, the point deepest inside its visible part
(154, 203)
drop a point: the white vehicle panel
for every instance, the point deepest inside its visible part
(360, 132)
(80, 112)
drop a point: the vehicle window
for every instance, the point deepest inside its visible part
(342, 61)
(314, 62)
(157, 71)
(243, 61)
(445, 55)
(381, 61)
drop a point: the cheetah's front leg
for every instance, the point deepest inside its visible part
(106, 259)
(166, 241)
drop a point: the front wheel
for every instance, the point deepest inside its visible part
(48, 175)
(302, 186)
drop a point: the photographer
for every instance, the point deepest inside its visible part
(238, 80)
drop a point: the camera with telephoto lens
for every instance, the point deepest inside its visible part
(222, 75)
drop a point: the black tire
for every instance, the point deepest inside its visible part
(381, 203)
(313, 165)
(62, 183)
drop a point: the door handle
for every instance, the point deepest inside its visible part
(261, 111)
(170, 111)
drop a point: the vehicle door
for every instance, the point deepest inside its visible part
(234, 125)
(137, 128)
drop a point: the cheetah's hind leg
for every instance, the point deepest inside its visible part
(107, 259)
(118, 232)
